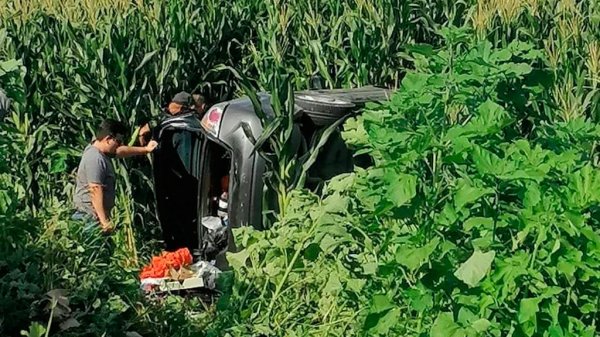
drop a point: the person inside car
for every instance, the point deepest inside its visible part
(181, 103)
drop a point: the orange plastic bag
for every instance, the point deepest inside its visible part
(160, 265)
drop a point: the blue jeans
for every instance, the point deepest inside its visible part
(89, 222)
(92, 236)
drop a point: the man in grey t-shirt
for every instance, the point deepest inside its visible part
(95, 185)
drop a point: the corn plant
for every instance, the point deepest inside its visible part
(567, 30)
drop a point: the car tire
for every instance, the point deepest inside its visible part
(323, 110)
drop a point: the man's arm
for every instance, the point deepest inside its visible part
(130, 151)
(97, 198)
(143, 134)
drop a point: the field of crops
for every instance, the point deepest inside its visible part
(480, 215)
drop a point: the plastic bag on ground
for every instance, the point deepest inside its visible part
(215, 239)
(207, 272)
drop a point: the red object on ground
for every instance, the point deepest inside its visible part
(160, 265)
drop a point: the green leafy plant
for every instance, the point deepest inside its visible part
(465, 226)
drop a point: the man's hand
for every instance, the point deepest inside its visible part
(106, 226)
(151, 146)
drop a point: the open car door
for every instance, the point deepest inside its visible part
(176, 179)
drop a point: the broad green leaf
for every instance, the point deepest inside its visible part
(421, 48)
(448, 215)
(354, 132)
(466, 316)
(518, 69)
(387, 321)
(414, 81)
(9, 66)
(238, 260)
(380, 303)
(341, 183)
(369, 198)
(569, 263)
(370, 268)
(478, 222)
(483, 243)
(273, 268)
(419, 300)
(333, 284)
(527, 316)
(487, 162)
(588, 308)
(490, 118)
(532, 196)
(553, 309)
(379, 323)
(551, 292)
(117, 304)
(490, 111)
(556, 246)
(402, 189)
(481, 325)
(414, 257)
(58, 164)
(335, 203)
(262, 329)
(444, 326)
(592, 236)
(355, 285)
(567, 268)
(469, 194)
(475, 268)
(555, 331)
(585, 187)
(502, 55)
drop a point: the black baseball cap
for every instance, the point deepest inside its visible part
(182, 98)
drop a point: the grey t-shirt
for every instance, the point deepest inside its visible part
(95, 167)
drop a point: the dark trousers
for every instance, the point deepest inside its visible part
(96, 242)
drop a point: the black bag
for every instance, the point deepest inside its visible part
(214, 238)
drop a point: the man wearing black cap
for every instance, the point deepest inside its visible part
(181, 103)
